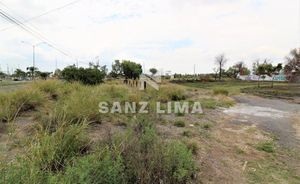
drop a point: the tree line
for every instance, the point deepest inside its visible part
(261, 68)
(126, 69)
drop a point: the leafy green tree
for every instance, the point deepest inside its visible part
(238, 68)
(57, 73)
(153, 71)
(31, 71)
(263, 70)
(90, 76)
(44, 75)
(276, 71)
(2, 75)
(116, 70)
(19, 73)
(131, 70)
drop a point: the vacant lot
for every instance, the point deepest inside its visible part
(58, 135)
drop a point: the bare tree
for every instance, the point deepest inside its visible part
(216, 71)
(220, 60)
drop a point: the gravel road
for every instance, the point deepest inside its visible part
(276, 116)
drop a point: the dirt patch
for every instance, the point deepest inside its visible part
(296, 124)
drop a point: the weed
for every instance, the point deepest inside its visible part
(206, 126)
(187, 133)
(179, 123)
(220, 91)
(171, 92)
(268, 146)
(192, 146)
(12, 104)
(239, 150)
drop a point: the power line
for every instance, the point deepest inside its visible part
(42, 14)
(31, 31)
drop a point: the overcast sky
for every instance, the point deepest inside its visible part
(166, 34)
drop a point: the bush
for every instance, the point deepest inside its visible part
(149, 159)
(90, 76)
(268, 147)
(101, 167)
(178, 163)
(53, 88)
(221, 92)
(12, 104)
(48, 155)
(206, 126)
(52, 151)
(83, 103)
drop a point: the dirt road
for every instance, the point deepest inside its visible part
(275, 116)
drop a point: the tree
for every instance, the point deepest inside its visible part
(220, 61)
(57, 73)
(19, 73)
(131, 70)
(153, 71)
(254, 66)
(216, 71)
(116, 70)
(264, 69)
(238, 69)
(276, 71)
(44, 75)
(292, 68)
(91, 76)
(2, 75)
(31, 71)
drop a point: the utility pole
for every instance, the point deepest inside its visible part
(33, 56)
(194, 70)
(7, 69)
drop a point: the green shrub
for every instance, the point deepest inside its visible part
(91, 76)
(53, 88)
(209, 103)
(101, 167)
(79, 105)
(178, 163)
(149, 159)
(179, 123)
(206, 126)
(221, 92)
(14, 103)
(268, 146)
(52, 151)
(48, 155)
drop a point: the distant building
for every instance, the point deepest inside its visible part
(263, 78)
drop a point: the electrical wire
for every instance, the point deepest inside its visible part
(31, 31)
(42, 14)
